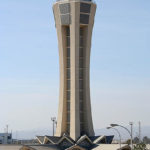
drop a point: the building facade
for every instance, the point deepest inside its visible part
(5, 138)
(74, 20)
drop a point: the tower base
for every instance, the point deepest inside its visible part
(66, 143)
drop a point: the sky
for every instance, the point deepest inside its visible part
(29, 64)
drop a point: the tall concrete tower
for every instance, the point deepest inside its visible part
(74, 21)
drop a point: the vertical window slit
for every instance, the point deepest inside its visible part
(68, 79)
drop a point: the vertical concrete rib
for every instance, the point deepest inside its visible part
(74, 32)
(61, 122)
(88, 113)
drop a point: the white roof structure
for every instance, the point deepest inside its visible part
(112, 147)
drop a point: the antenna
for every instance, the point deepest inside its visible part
(7, 128)
(139, 131)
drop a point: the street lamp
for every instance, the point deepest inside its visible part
(118, 134)
(130, 132)
(53, 119)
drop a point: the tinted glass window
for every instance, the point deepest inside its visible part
(68, 95)
(85, 8)
(81, 52)
(81, 31)
(68, 41)
(84, 18)
(68, 117)
(81, 105)
(68, 106)
(81, 41)
(65, 19)
(68, 127)
(81, 84)
(81, 73)
(68, 73)
(64, 8)
(68, 31)
(68, 84)
(81, 117)
(81, 95)
(68, 63)
(81, 65)
(68, 52)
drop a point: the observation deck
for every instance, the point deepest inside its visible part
(77, 0)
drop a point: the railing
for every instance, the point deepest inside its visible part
(80, 0)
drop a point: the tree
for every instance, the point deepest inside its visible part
(146, 140)
(140, 146)
(136, 140)
(128, 141)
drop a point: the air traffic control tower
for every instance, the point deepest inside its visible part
(74, 21)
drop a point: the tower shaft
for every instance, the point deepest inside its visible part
(74, 21)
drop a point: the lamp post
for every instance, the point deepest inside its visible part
(130, 132)
(131, 124)
(118, 134)
(53, 119)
